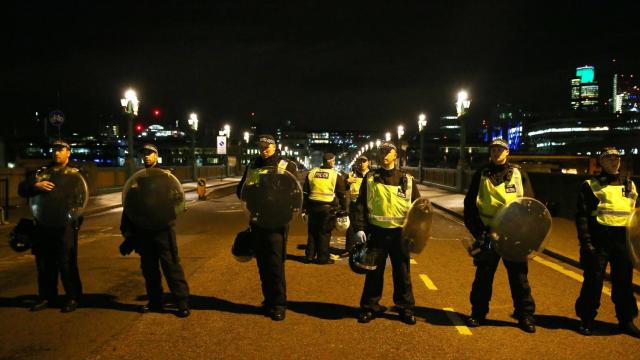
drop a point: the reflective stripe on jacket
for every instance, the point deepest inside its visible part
(388, 205)
(492, 198)
(616, 202)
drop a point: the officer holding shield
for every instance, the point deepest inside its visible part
(383, 203)
(492, 187)
(605, 204)
(270, 243)
(354, 181)
(157, 247)
(55, 241)
(324, 197)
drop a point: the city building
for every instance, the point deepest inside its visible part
(625, 94)
(584, 90)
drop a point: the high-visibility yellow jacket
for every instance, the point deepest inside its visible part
(322, 184)
(492, 198)
(388, 205)
(616, 202)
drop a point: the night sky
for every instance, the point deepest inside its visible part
(343, 65)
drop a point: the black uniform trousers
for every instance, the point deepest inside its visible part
(56, 253)
(159, 249)
(613, 250)
(319, 232)
(351, 232)
(486, 265)
(270, 250)
(389, 244)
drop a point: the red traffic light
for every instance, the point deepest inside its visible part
(156, 112)
(139, 127)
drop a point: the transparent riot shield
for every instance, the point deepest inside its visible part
(153, 198)
(522, 227)
(65, 203)
(271, 197)
(633, 238)
(417, 225)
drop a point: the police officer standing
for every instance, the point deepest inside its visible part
(270, 244)
(492, 187)
(605, 203)
(354, 181)
(157, 248)
(383, 203)
(324, 196)
(55, 247)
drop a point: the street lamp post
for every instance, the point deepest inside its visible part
(227, 132)
(130, 105)
(422, 124)
(462, 104)
(193, 123)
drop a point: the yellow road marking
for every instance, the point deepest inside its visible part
(457, 322)
(559, 268)
(430, 285)
(413, 262)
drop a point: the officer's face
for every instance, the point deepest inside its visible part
(331, 162)
(498, 155)
(61, 155)
(610, 164)
(149, 157)
(364, 166)
(267, 150)
(389, 158)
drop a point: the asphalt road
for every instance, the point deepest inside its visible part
(320, 324)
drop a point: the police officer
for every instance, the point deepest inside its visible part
(55, 248)
(354, 181)
(492, 187)
(324, 197)
(605, 203)
(270, 244)
(383, 203)
(157, 248)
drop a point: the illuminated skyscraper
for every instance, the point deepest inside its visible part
(626, 94)
(584, 90)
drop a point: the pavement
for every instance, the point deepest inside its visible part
(562, 243)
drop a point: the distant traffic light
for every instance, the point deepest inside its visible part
(139, 127)
(156, 112)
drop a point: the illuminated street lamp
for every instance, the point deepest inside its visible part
(378, 142)
(462, 104)
(130, 105)
(227, 133)
(400, 131)
(246, 137)
(387, 136)
(422, 124)
(193, 124)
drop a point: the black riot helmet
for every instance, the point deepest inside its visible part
(20, 236)
(363, 259)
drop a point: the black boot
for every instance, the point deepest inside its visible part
(586, 327)
(629, 328)
(527, 324)
(70, 306)
(40, 305)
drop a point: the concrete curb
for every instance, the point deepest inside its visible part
(550, 253)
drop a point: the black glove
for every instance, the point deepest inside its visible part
(127, 246)
(588, 255)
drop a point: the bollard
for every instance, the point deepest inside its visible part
(201, 189)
